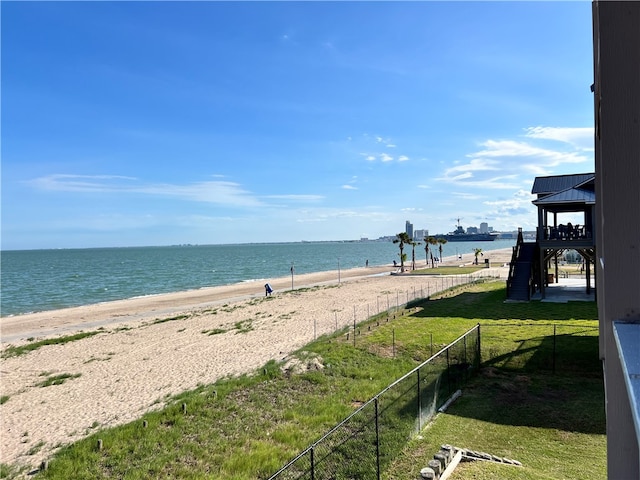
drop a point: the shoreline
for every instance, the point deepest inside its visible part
(152, 348)
(50, 323)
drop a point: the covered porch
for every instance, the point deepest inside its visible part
(566, 213)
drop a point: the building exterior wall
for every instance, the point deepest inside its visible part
(616, 28)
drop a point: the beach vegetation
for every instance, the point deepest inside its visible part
(11, 471)
(100, 359)
(428, 243)
(441, 242)
(36, 448)
(57, 379)
(477, 252)
(15, 351)
(170, 319)
(244, 326)
(448, 270)
(402, 239)
(248, 426)
(4, 399)
(214, 331)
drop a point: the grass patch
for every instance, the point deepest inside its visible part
(447, 270)
(248, 427)
(12, 351)
(554, 425)
(4, 399)
(244, 326)
(214, 331)
(170, 319)
(57, 379)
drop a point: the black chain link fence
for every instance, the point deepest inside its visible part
(366, 442)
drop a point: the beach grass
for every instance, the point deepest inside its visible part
(15, 351)
(56, 379)
(531, 401)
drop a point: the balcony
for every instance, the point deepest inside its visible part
(565, 236)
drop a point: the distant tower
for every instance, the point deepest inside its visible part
(408, 227)
(419, 235)
(484, 227)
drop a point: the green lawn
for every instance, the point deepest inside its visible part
(248, 427)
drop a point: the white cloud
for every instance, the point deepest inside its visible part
(475, 165)
(79, 183)
(502, 164)
(579, 137)
(349, 187)
(386, 157)
(217, 191)
(301, 198)
(403, 158)
(511, 148)
(513, 211)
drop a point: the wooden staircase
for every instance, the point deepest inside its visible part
(519, 282)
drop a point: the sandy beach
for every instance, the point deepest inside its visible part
(138, 358)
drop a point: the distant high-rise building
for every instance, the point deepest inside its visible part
(420, 235)
(408, 227)
(484, 227)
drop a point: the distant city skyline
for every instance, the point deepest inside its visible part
(164, 123)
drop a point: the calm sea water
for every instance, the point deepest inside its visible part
(40, 280)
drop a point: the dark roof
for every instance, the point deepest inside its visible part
(570, 195)
(559, 183)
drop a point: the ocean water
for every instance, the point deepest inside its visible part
(41, 280)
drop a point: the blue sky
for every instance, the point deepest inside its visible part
(159, 123)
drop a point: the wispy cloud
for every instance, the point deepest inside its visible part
(349, 187)
(513, 149)
(81, 183)
(216, 191)
(297, 197)
(579, 137)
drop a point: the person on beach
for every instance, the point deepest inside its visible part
(366, 264)
(267, 290)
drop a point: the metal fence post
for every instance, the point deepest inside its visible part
(377, 440)
(479, 352)
(393, 341)
(448, 373)
(313, 470)
(554, 350)
(419, 402)
(464, 346)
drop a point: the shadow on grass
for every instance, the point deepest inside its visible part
(563, 402)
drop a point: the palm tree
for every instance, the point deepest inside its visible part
(431, 241)
(441, 242)
(426, 251)
(476, 252)
(402, 238)
(413, 253)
